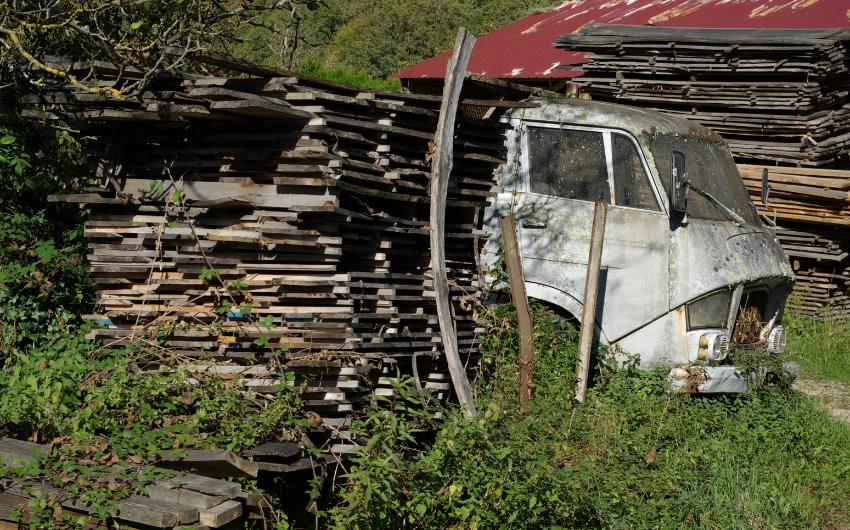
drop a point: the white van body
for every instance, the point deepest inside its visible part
(671, 287)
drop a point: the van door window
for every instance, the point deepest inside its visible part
(568, 164)
(631, 184)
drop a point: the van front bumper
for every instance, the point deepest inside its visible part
(715, 379)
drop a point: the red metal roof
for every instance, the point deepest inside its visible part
(523, 50)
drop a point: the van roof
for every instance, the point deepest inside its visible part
(639, 122)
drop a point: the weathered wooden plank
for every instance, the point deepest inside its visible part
(221, 514)
(441, 169)
(210, 463)
(513, 259)
(261, 109)
(184, 496)
(258, 195)
(205, 485)
(183, 513)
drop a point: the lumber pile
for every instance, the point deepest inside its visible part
(812, 211)
(812, 196)
(773, 94)
(181, 500)
(279, 223)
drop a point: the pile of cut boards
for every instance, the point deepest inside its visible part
(812, 212)
(773, 94)
(275, 223)
(779, 98)
(184, 500)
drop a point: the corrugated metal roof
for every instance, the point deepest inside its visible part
(523, 50)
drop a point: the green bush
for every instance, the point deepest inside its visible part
(42, 251)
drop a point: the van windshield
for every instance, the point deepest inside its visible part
(709, 167)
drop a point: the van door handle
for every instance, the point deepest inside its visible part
(531, 224)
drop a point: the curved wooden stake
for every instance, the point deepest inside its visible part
(440, 169)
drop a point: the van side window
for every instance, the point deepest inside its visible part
(631, 185)
(568, 164)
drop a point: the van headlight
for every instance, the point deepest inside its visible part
(713, 346)
(776, 340)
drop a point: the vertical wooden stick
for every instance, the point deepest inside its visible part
(591, 289)
(523, 314)
(441, 167)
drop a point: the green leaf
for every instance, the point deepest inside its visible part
(136, 25)
(209, 273)
(6, 140)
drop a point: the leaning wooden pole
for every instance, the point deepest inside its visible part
(523, 314)
(441, 167)
(591, 289)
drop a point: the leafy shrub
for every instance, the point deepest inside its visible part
(42, 252)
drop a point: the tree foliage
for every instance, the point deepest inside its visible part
(149, 34)
(379, 37)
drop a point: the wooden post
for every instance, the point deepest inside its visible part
(591, 289)
(523, 314)
(441, 167)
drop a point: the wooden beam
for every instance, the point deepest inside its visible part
(523, 314)
(591, 289)
(440, 169)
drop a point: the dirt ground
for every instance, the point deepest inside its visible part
(834, 396)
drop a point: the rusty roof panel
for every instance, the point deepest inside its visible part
(523, 50)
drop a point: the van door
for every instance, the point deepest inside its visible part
(565, 170)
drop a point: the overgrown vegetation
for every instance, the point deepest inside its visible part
(107, 421)
(379, 37)
(632, 456)
(376, 38)
(819, 347)
(42, 264)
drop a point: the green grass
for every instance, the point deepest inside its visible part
(313, 66)
(631, 456)
(822, 349)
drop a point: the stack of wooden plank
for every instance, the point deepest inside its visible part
(812, 196)
(180, 501)
(280, 222)
(812, 211)
(773, 94)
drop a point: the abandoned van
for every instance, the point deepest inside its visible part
(689, 270)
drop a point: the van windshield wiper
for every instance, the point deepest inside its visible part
(732, 216)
